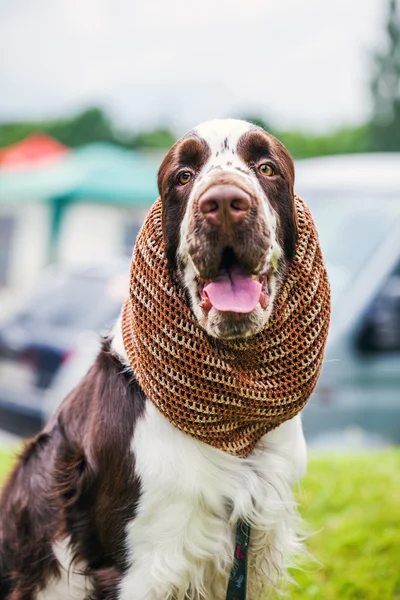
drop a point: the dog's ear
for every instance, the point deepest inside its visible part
(172, 211)
(164, 171)
(255, 145)
(289, 226)
(286, 207)
(191, 153)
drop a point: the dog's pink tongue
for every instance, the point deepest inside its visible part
(233, 292)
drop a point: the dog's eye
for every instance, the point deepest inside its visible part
(266, 170)
(184, 177)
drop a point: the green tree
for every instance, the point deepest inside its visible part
(347, 140)
(301, 144)
(157, 138)
(385, 87)
(91, 125)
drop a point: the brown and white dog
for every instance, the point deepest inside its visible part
(112, 501)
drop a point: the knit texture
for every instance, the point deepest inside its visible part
(226, 393)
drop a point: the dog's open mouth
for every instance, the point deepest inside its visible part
(233, 289)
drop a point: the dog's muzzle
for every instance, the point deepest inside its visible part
(228, 241)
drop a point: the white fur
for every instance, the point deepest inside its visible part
(72, 584)
(181, 543)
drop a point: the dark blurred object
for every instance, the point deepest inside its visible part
(385, 126)
(355, 201)
(381, 330)
(42, 337)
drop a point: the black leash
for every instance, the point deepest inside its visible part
(238, 578)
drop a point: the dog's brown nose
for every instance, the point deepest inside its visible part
(224, 204)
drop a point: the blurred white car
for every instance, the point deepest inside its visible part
(355, 201)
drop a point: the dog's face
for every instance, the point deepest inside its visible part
(229, 222)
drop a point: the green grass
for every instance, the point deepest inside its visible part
(353, 504)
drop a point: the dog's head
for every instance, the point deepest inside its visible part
(229, 222)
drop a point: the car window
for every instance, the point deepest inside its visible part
(77, 301)
(351, 228)
(380, 330)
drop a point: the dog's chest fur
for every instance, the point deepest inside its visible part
(180, 544)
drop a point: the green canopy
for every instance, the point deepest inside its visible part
(96, 173)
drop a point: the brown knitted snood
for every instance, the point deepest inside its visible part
(226, 393)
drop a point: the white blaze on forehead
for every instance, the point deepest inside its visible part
(215, 132)
(222, 137)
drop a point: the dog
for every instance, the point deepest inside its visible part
(110, 500)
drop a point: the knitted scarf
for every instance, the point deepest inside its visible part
(226, 393)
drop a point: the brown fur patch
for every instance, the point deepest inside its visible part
(77, 478)
(188, 153)
(257, 146)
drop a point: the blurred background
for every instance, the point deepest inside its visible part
(93, 92)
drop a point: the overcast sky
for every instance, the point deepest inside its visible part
(298, 63)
